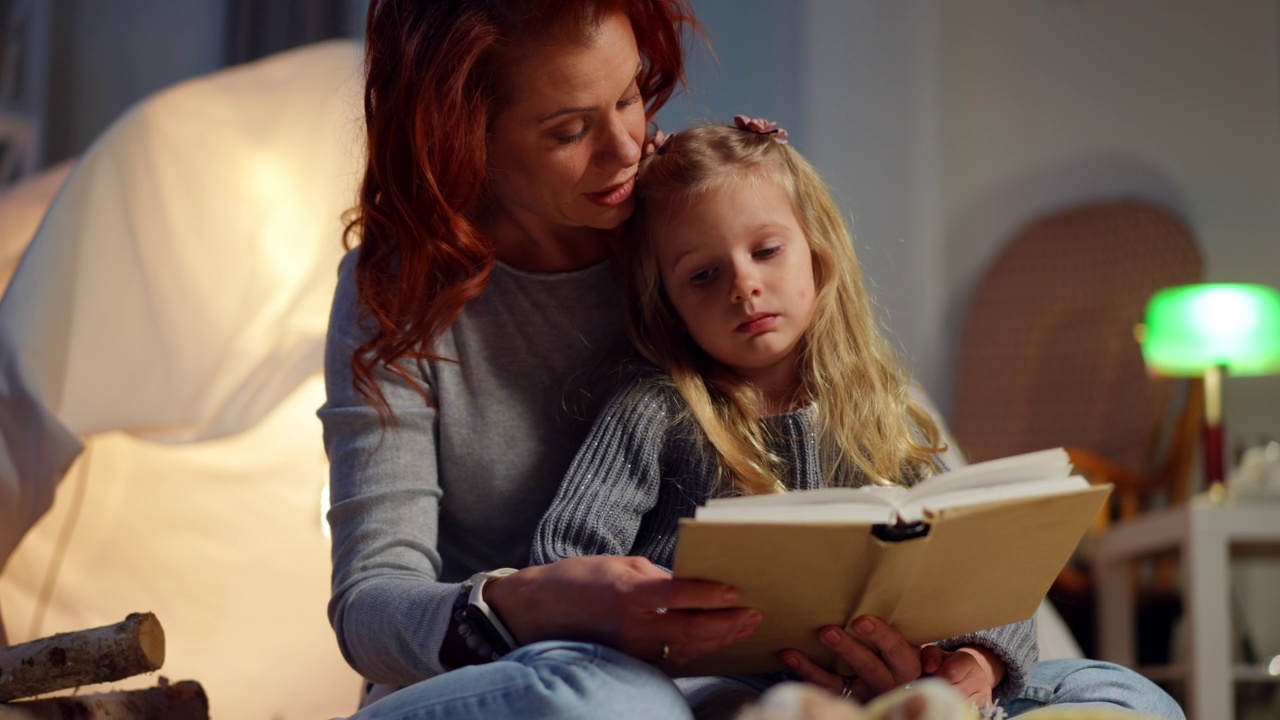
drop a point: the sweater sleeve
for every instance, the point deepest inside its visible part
(613, 481)
(1014, 644)
(388, 608)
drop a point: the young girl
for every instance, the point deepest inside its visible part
(768, 373)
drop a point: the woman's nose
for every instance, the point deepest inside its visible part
(619, 145)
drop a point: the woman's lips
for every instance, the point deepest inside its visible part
(756, 323)
(615, 195)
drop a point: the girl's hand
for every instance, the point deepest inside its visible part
(627, 603)
(973, 671)
(881, 659)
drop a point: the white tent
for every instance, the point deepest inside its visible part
(162, 338)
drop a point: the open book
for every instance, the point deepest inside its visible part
(962, 551)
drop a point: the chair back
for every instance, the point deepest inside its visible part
(1047, 354)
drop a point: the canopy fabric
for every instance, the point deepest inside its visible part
(169, 315)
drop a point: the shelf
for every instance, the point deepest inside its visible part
(1253, 674)
(1178, 673)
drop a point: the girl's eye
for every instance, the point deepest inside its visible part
(767, 252)
(631, 100)
(702, 277)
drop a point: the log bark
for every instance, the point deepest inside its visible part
(82, 657)
(184, 700)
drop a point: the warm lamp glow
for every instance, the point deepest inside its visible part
(1191, 328)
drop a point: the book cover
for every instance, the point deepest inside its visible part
(960, 552)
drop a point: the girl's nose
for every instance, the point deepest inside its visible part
(746, 285)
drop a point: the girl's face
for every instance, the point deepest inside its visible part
(564, 153)
(737, 267)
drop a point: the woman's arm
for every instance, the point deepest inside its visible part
(625, 602)
(387, 607)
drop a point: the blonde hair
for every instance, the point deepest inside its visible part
(867, 425)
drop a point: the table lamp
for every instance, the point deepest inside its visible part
(1209, 330)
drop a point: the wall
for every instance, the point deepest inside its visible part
(946, 126)
(108, 55)
(943, 127)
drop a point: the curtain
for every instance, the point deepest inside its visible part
(256, 28)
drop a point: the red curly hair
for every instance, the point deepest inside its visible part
(433, 85)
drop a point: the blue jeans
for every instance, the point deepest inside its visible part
(581, 680)
(1092, 683)
(1053, 683)
(543, 680)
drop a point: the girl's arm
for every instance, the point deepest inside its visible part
(1013, 646)
(612, 483)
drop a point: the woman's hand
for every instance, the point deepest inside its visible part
(971, 670)
(627, 603)
(880, 657)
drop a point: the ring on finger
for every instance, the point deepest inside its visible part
(846, 686)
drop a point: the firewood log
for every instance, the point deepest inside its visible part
(82, 657)
(185, 700)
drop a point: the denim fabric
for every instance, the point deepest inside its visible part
(544, 680)
(720, 697)
(1091, 683)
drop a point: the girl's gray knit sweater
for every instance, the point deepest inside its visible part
(645, 465)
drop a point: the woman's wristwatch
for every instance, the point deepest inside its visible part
(477, 622)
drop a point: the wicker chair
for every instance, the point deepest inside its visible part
(1047, 357)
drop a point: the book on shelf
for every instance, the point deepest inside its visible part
(966, 550)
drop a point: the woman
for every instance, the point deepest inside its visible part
(470, 336)
(469, 349)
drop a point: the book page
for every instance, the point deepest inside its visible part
(917, 509)
(1028, 467)
(872, 503)
(1006, 478)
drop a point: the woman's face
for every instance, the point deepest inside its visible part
(564, 153)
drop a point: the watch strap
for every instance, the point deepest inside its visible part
(483, 615)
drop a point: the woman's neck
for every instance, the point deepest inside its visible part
(548, 249)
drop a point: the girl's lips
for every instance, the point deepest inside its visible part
(756, 323)
(615, 195)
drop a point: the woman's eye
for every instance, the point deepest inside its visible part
(571, 137)
(702, 277)
(767, 252)
(630, 100)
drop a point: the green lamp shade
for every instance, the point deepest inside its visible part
(1193, 327)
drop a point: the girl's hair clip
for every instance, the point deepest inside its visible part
(760, 126)
(655, 146)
